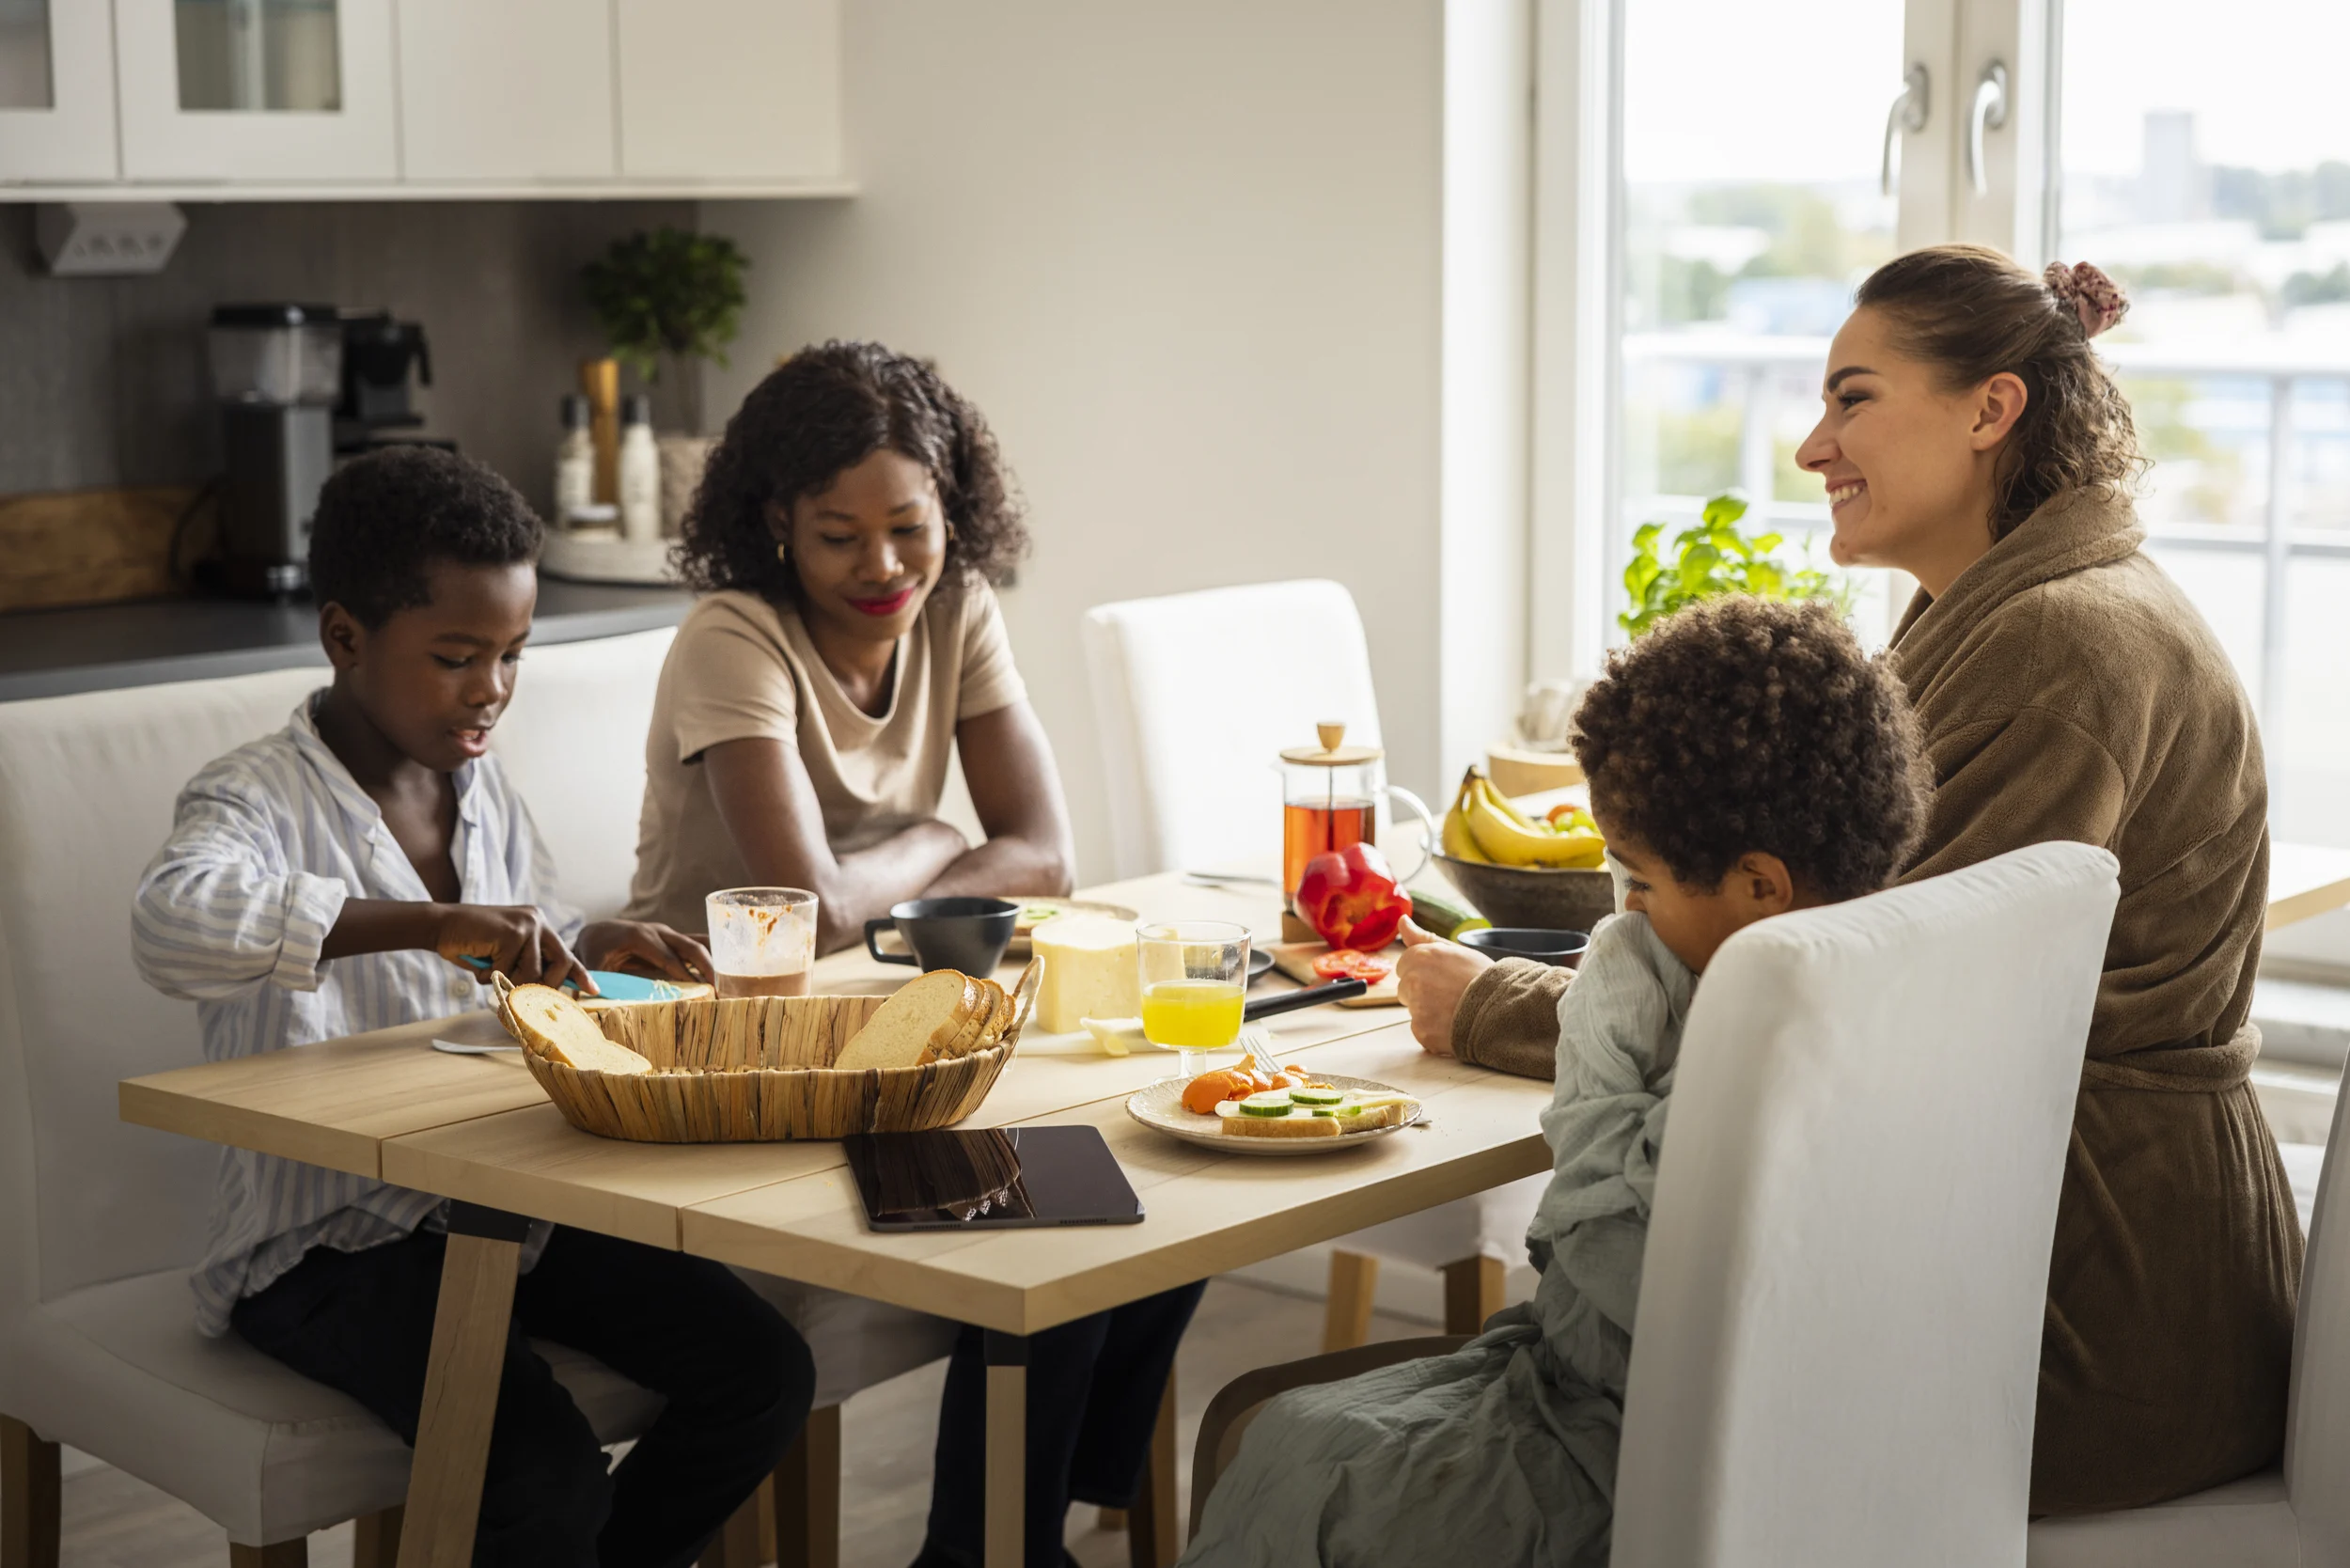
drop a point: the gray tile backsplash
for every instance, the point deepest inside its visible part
(103, 381)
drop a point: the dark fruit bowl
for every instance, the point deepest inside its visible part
(1524, 896)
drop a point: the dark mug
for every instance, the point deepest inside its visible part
(969, 934)
(1561, 949)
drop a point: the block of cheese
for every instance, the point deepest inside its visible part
(1089, 964)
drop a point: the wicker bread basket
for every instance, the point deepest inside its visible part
(755, 1069)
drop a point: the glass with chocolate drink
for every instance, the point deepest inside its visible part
(762, 940)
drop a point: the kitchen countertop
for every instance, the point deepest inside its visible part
(58, 653)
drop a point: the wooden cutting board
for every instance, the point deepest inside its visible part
(1296, 960)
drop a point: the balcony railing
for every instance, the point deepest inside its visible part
(1761, 361)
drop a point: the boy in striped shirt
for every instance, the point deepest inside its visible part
(325, 880)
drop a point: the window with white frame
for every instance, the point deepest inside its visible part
(1714, 178)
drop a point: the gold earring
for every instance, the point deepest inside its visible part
(950, 530)
(783, 552)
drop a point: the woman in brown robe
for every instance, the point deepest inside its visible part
(2067, 690)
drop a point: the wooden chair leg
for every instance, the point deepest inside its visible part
(807, 1496)
(282, 1554)
(375, 1538)
(30, 1497)
(1152, 1541)
(1346, 1315)
(1472, 1294)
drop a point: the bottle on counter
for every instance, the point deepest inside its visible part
(640, 471)
(574, 464)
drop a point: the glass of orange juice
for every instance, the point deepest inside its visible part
(1195, 974)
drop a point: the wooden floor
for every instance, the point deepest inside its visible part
(112, 1521)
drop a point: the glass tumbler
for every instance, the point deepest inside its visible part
(1195, 977)
(762, 940)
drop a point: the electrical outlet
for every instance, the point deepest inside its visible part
(107, 239)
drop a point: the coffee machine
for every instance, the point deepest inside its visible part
(378, 351)
(278, 371)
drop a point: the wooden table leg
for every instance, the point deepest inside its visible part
(1006, 1449)
(461, 1387)
(1151, 1538)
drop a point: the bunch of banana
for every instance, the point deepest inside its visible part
(1484, 828)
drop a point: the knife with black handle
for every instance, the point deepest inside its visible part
(1312, 996)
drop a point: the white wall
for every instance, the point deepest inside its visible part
(1188, 257)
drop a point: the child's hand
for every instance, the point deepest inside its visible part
(1430, 974)
(671, 954)
(515, 941)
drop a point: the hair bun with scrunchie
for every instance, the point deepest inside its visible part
(2095, 297)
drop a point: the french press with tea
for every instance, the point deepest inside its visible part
(1330, 798)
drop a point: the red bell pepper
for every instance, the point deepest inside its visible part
(1350, 897)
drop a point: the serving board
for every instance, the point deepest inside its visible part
(1296, 961)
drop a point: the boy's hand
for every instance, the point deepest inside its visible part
(1430, 974)
(515, 941)
(671, 954)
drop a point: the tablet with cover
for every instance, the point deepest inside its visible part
(1001, 1178)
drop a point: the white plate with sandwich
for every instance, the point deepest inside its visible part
(1350, 1113)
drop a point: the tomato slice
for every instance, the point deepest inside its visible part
(1346, 964)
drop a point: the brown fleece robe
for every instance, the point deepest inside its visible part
(2069, 691)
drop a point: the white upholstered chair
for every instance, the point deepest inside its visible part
(100, 1220)
(2295, 1514)
(1837, 1347)
(1188, 775)
(1838, 1341)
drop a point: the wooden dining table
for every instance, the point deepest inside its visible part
(477, 1130)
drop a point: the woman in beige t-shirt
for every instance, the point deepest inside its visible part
(845, 536)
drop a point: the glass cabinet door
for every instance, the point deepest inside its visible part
(256, 90)
(56, 93)
(25, 81)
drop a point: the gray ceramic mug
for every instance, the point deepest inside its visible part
(969, 934)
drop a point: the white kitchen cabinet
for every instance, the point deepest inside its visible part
(729, 91)
(57, 92)
(257, 91)
(505, 91)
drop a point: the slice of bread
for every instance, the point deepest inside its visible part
(979, 1005)
(998, 1016)
(548, 1022)
(927, 1014)
(1295, 1125)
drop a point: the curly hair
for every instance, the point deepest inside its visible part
(1971, 312)
(826, 410)
(1744, 724)
(384, 518)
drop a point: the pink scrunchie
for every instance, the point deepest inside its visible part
(2095, 297)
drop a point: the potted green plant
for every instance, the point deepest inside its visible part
(1714, 558)
(669, 296)
(670, 293)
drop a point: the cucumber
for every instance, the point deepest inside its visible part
(1274, 1102)
(1439, 915)
(1316, 1096)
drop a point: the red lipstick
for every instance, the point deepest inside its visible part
(890, 606)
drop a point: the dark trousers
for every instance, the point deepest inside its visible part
(738, 1380)
(1094, 1387)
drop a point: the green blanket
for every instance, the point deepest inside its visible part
(1505, 1451)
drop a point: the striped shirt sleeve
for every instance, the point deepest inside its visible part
(220, 911)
